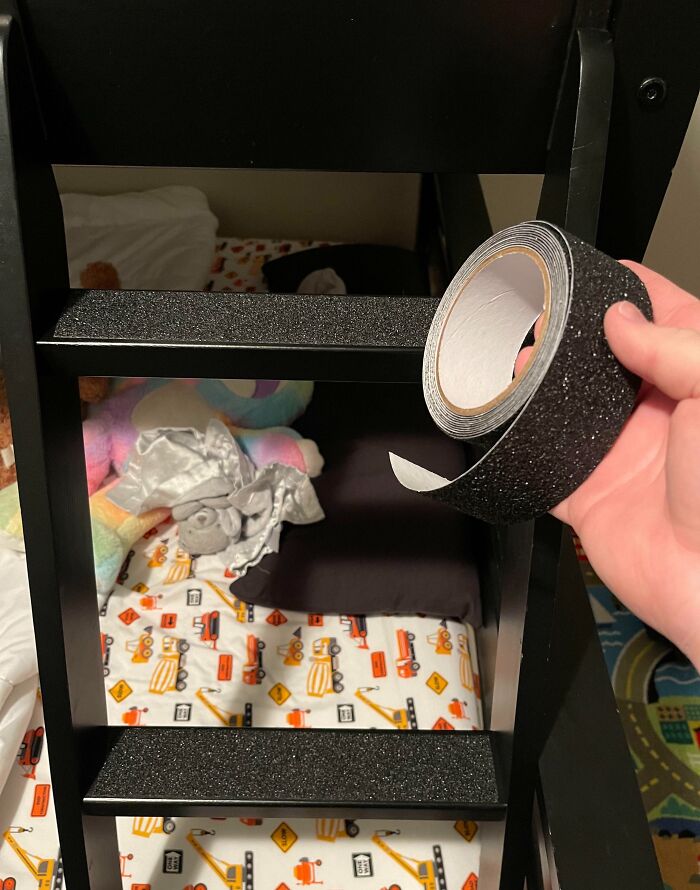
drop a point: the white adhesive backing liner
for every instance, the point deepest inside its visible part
(543, 433)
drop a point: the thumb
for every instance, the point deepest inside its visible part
(668, 358)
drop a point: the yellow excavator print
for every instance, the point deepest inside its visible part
(228, 718)
(235, 877)
(430, 873)
(401, 718)
(243, 611)
(48, 873)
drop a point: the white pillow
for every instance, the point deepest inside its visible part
(162, 239)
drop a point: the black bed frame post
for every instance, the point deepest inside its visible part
(657, 75)
(524, 715)
(610, 197)
(655, 89)
(527, 557)
(47, 430)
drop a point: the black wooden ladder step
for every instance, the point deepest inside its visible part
(205, 771)
(151, 333)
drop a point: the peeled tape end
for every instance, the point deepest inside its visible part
(412, 476)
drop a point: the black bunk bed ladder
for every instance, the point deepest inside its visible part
(50, 334)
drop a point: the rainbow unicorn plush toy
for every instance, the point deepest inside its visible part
(255, 411)
(113, 426)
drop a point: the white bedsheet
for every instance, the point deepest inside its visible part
(412, 667)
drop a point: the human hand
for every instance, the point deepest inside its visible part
(638, 513)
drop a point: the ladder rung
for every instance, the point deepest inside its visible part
(200, 771)
(166, 333)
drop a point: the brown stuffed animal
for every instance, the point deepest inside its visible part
(7, 452)
(100, 276)
(92, 390)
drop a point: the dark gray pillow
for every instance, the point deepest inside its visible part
(381, 548)
(365, 269)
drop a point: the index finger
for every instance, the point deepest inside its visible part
(673, 306)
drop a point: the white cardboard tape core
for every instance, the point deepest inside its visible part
(490, 316)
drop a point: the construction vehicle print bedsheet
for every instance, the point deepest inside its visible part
(178, 647)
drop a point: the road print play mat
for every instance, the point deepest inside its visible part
(658, 696)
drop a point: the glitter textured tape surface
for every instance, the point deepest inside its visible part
(542, 435)
(223, 318)
(420, 769)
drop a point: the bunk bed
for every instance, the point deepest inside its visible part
(595, 95)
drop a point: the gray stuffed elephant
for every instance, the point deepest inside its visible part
(209, 525)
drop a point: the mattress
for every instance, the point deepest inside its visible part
(180, 648)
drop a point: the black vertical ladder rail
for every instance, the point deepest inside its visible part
(529, 553)
(47, 435)
(658, 44)
(646, 133)
(537, 591)
(572, 677)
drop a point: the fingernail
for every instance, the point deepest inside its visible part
(630, 312)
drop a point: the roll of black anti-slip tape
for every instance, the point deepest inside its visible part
(544, 432)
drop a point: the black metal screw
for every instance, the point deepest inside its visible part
(652, 91)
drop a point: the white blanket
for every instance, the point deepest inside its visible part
(18, 668)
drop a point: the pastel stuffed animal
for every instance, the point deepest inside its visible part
(114, 531)
(257, 404)
(114, 425)
(92, 390)
(253, 404)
